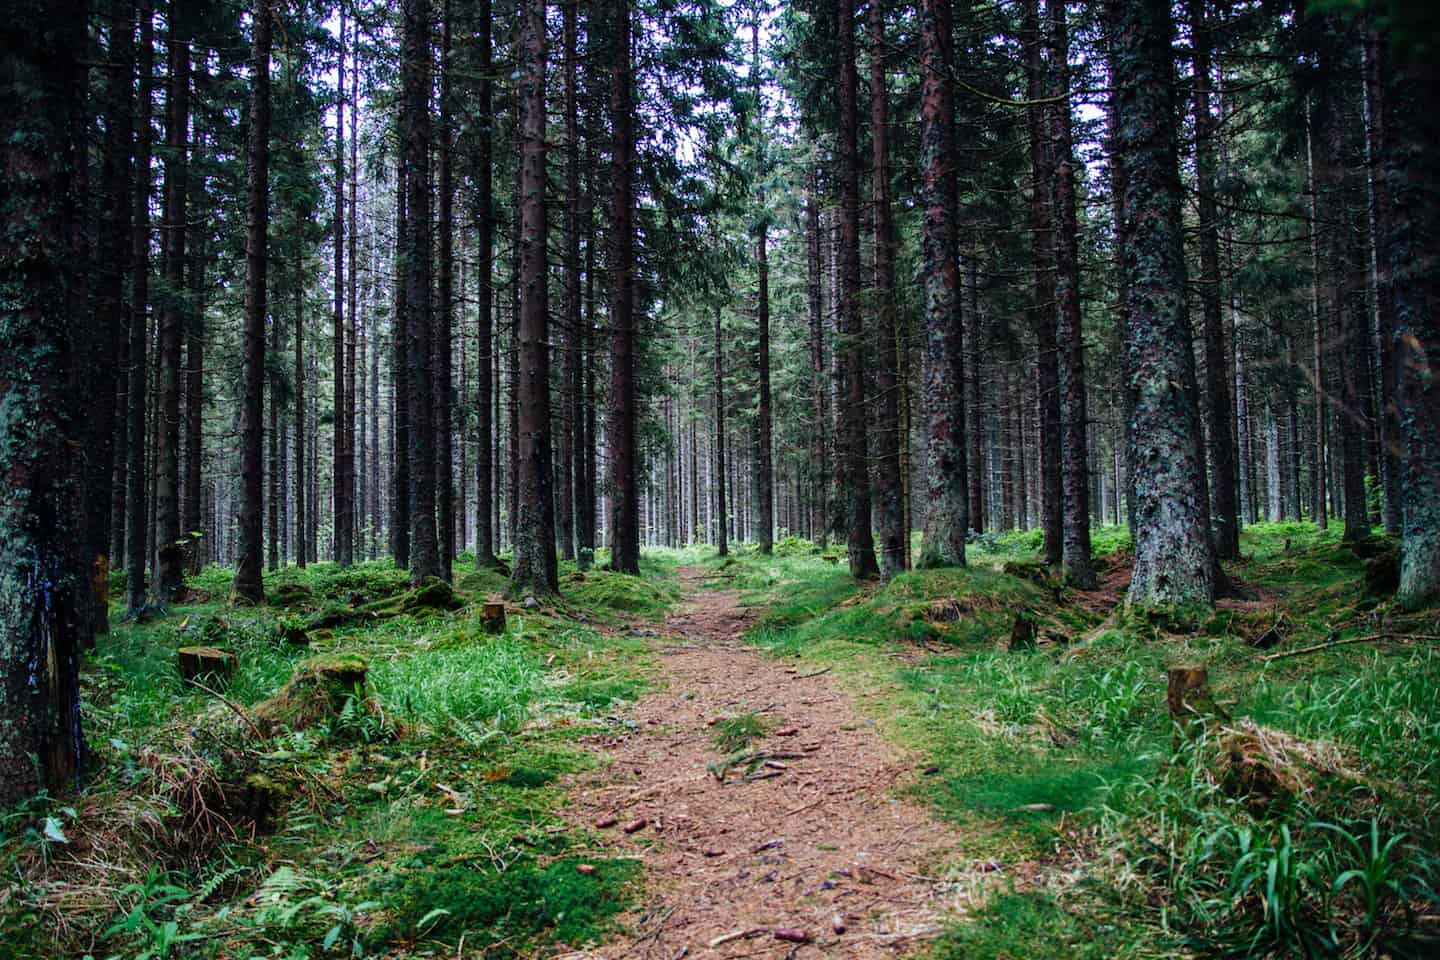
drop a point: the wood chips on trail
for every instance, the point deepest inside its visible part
(814, 854)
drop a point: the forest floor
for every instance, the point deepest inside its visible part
(962, 763)
(762, 805)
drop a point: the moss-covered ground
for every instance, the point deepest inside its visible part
(393, 819)
(1058, 763)
(418, 815)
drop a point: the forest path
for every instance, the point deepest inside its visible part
(818, 843)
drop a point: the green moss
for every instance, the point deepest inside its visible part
(507, 913)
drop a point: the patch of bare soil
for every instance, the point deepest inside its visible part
(813, 854)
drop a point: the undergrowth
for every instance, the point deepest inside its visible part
(415, 810)
(1301, 823)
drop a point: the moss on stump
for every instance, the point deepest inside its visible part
(316, 692)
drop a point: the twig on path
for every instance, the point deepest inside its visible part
(1372, 638)
(807, 676)
(735, 935)
(812, 803)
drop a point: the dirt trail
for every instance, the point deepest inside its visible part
(823, 842)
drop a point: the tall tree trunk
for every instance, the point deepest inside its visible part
(1075, 455)
(1174, 555)
(482, 174)
(355, 470)
(247, 587)
(1319, 509)
(303, 502)
(1041, 313)
(621, 425)
(534, 571)
(1217, 392)
(47, 584)
(194, 394)
(947, 511)
(1344, 294)
(722, 523)
(415, 64)
(173, 307)
(819, 465)
(894, 537)
(136, 526)
(277, 543)
(445, 311)
(764, 429)
(585, 548)
(1384, 298)
(344, 479)
(570, 429)
(106, 485)
(400, 380)
(1412, 184)
(860, 542)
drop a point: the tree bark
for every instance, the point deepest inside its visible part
(620, 427)
(344, 479)
(482, 174)
(46, 574)
(1041, 312)
(173, 307)
(943, 392)
(570, 432)
(722, 524)
(860, 543)
(819, 465)
(894, 537)
(1075, 454)
(1174, 555)
(1412, 184)
(534, 572)
(445, 309)
(136, 528)
(247, 587)
(417, 138)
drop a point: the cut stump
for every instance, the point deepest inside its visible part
(1187, 694)
(493, 617)
(208, 665)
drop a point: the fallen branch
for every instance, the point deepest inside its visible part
(239, 710)
(1372, 638)
(807, 676)
(736, 935)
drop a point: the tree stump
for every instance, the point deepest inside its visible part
(493, 617)
(208, 665)
(1187, 694)
(1022, 633)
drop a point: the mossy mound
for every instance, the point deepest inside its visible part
(619, 592)
(316, 693)
(430, 596)
(291, 595)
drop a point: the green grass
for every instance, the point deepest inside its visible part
(1023, 749)
(489, 682)
(453, 766)
(737, 733)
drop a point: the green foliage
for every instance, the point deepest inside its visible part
(1018, 926)
(505, 910)
(490, 683)
(737, 733)
(612, 594)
